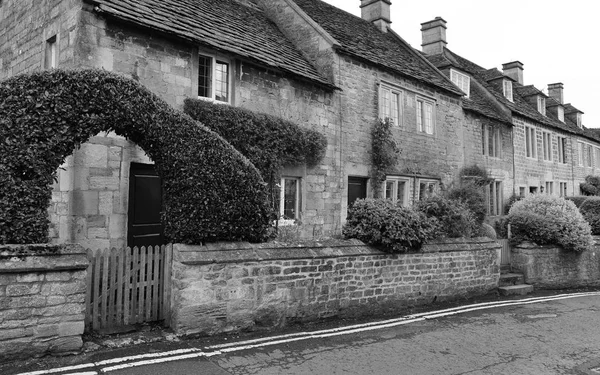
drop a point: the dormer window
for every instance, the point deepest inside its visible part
(561, 113)
(507, 88)
(461, 80)
(541, 105)
(579, 121)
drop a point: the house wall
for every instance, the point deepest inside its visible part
(581, 169)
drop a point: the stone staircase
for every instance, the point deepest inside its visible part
(511, 283)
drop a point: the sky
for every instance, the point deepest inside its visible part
(556, 40)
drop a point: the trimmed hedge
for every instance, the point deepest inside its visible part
(590, 209)
(454, 219)
(578, 199)
(269, 142)
(211, 191)
(472, 196)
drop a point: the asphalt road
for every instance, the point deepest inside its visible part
(560, 336)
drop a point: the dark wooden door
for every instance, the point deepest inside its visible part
(357, 189)
(144, 227)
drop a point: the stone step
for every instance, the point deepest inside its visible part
(520, 289)
(510, 279)
(505, 268)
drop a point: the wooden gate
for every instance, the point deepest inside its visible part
(126, 287)
(505, 253)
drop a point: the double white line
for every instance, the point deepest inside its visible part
(213, 350)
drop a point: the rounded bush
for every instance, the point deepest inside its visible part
(547, 219)
(395, 228)
(588, 189)
(473, 197)
(578, 199)
(453, 217)
(211, 191)
(590, 209)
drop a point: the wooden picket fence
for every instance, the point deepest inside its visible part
(128, 286)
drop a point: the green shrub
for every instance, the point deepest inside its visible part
(501, 227)
(590, 209)
(511, 200)
(473, 197)
(474, 174)
(546, 219)
(211, 191)
(591, 186)
(384, 152)
(578, 200)
(380, 222)
(454, 218)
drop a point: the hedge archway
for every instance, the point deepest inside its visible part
(211, 191)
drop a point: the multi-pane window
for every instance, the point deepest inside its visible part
(561, 113)
(580, 153)
(562, 147)
(391, 104)
(51, 53)
(547, 145)
(541, 104)
(396, 189)
(289, 198)
(461, 80)
(530, 142)
(491, 141)
(589, 159)
(562, 187)
(507, 88)
(494, 197)
(427, 188)
(549, 185)
(425, 116)
(213, 79)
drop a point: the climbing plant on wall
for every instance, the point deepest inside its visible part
(384, 153)
(211, 191)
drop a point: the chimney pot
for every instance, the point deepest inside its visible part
(433, 34)
(514, 70)
(555, 91)
(376, 11)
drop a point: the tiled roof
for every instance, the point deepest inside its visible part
(529, 90)
(364, 40)
(570, 109)
(221, 24)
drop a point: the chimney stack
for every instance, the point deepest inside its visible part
(433, 35)
(514, 70)
(376, 11)
(555, 91)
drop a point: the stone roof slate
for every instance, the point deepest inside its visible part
(364, 40)
(529, 90)
(225, 25)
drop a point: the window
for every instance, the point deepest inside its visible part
(549, 187)
(425, 116)
(213, 79)
(588, 150)
(579, 121)
(391, 104)
(541, 104)
(507, 88)
(547, 145)
(562, 186)
(461, 80)
(561, 113)
(530, 142)
(491, 141)
(289, 198)
(521, 191)
(597, 159)
(494, 197)
(533, 190)
(580, 154)
(427, 188)
(562, 147)
(396, 189)
(51, 54)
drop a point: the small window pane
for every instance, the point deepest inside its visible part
(400, 193)
(205, 77)
(290, 198)
(222, 81)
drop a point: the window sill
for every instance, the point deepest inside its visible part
(285, 222)
(212, 100)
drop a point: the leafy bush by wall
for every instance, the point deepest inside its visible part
(454, 219)
(473, 197)
(384, 153)
(591, 186)
(547, 219)
(211, 191)
(380, 222)
(590, 209)
(578, 199)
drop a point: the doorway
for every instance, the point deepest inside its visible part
(144, 226)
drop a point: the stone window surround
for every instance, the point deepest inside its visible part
(495, 199)
(215, 57)
(392, 90)
(395, 180)
(282, 197)
(547, 146)
(562, 188)
(530, 142)
(423, 102)
(562, 149)
(461, 80)
(496, 141)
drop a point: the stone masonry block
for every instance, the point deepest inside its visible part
(22, 289)
(85, 202)
(71, 328)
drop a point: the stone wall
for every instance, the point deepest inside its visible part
(554, 268)
(42, 301)
(231, 287)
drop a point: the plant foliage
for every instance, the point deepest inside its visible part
(591, 186)
(472, 196)
(590, 209)
(454, 219)
(211, 191)
(384, 153)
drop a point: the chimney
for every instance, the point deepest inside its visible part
(514, 70)
(433, 36)
(555, 91)
(376, 11)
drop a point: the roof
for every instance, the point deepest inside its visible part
(570, 109)
(225, 25)
(362, 39)
(529, 90)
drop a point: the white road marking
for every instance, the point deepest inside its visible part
(116, 364)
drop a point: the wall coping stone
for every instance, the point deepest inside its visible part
(241, 252)
(20, 259)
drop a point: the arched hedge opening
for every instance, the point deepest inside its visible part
(211, 191)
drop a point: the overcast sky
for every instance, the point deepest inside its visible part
(556, 40)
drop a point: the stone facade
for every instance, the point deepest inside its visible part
(42, 301)
(224, 288)
(552, 267)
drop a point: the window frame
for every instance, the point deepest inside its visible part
(214, 61)
(395, 180)
(547, 146)
(589, 153)
(494, 198)
(530, 142)
(549, 187)
(51, 52)
(507, 89)
(580, 154)
(562, 186)
(430, 182)
(496, 134)
(462, 81)
(541, 105)
(420, 107)
(561, 143)
(579, 120)
(560, 112)
(393, 90)
(282, 198)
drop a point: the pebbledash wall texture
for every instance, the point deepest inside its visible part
(231, 287)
